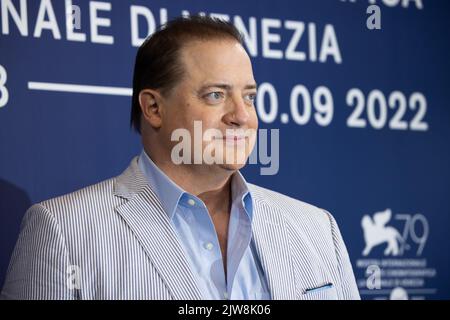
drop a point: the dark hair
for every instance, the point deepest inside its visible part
(157, 65)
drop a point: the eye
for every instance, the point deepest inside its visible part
(251, 97)
(214, 97)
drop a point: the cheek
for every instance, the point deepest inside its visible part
(179, 115)
(191, 111)
(209, 116)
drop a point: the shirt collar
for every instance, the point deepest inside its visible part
(240, 193)
(170, 194)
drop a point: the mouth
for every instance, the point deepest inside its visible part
(232, 138)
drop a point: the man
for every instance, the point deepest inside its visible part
(190, 230)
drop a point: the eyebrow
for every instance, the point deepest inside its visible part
(226, 86)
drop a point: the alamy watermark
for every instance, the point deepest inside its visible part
(74, 22)
(73, 277)
(234, 147)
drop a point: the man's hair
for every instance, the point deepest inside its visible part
(157, 63)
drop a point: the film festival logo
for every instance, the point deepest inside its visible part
(377, 233)
(399, 270)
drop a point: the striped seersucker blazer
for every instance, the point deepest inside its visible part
(113, 240)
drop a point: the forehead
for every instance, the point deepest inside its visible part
(209, 60)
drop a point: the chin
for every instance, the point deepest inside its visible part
(232, 166)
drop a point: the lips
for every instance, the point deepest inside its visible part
(231, 138)
(234, 138)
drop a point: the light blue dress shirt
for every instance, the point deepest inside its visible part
(191, 220)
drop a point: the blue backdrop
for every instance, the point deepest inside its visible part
(360, 101)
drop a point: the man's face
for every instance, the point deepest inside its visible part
(217, 89)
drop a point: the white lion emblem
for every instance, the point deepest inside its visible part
(376, 232)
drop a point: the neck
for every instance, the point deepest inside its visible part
(210, 183)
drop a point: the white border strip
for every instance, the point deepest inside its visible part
(63, 87)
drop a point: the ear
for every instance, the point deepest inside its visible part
(149, 100)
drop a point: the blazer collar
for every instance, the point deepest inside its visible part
(273, 248)
(148, 221)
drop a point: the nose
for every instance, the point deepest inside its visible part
(238, 115)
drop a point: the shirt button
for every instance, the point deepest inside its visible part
(191, 202)
(209, 246)
(225, 295)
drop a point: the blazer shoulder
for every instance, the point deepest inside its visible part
(295, 211)
(84, 199)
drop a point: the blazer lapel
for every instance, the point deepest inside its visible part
(146, 218)
(272, 246)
